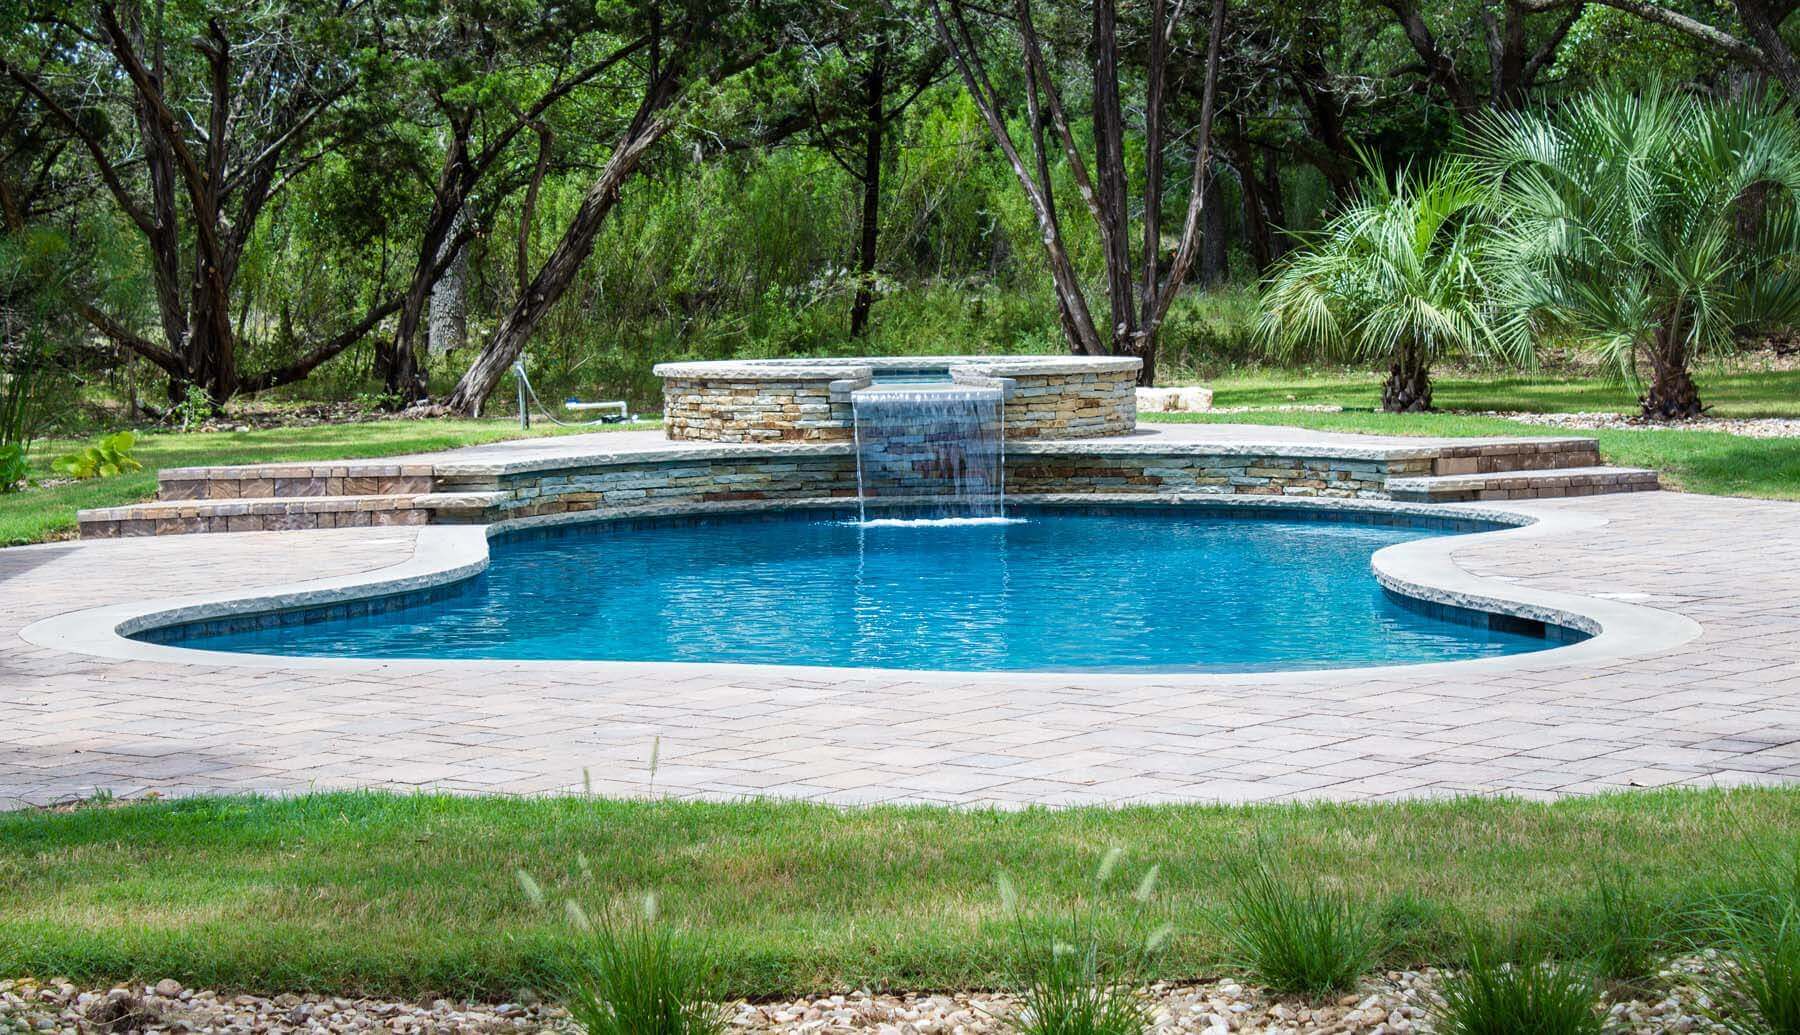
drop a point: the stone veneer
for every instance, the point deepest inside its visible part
(1047, 397)
(702, 476)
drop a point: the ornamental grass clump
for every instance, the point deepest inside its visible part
(1304, 940)
(1757, 989)
(631, 974)
(1538, 996)
(1067, 980)
(1617, 929)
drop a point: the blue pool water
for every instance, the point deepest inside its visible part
(1126, 590)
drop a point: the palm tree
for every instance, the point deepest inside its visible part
(1403, 276)
(1651, 227)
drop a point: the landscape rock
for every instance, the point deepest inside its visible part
(1388, 1004)
(1192, 399)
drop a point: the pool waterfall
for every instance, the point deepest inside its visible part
(934, 452)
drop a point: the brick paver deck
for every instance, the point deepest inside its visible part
(1724, 708)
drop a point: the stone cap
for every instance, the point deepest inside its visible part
(856, 367)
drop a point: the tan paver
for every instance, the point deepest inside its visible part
(1722, 710)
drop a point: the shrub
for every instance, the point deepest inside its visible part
(1536, 996)
(13, 470)
(1404, 277)
(105, 458)
(1302, 940)
(1066, 982)
(1649, 225)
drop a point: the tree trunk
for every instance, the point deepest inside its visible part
(1215, 251)
(448, 329)
(1408, 385)
(1256, 224)
(1273, 203)
(1109, 165)
(509, 339)
(871, 200)
(1672, 394)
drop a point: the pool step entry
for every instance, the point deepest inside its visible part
(276, 481)
(1516, 455)
(271, 498)
(1545, 483)
(273, 514)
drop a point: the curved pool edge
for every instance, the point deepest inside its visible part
(1422, 569)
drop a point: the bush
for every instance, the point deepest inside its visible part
(105, 458)
(1302, 940)
(13, 469)
(1537, 996)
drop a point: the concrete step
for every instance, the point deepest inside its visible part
(1531, 454)
(280, 481)
(1522, 485)
(269, 514)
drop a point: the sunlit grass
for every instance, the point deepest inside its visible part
(418, 895)
(48, 512)
(1694, 461)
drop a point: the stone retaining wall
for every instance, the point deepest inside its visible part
(664, 484)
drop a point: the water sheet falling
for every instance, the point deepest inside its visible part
(934, 452)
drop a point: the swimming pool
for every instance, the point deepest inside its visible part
(1155, 589)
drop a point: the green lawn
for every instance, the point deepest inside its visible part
(417, 895)
(46, 513)
(1729, 393)
(1694, 461)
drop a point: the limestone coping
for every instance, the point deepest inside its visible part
(857, 367)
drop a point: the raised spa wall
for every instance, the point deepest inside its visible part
(810, 400)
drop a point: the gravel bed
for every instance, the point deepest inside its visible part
(1388, 1004)
(1749, 427)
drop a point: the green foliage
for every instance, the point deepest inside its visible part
(1068, 981)
(105, 458)
(1407, 269)
(13, 468)
(1538, 996)
(1648, 225)
(195, 408)
(1299, 939)
(633, 975)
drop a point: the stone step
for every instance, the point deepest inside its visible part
(282, 481)
(1529, 454)
(1522, 485)
(268, 514)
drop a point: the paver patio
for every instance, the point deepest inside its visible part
(1721, 709)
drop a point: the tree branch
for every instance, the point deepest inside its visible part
(1691, 27)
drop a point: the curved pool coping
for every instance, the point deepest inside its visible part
(1423, 569)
